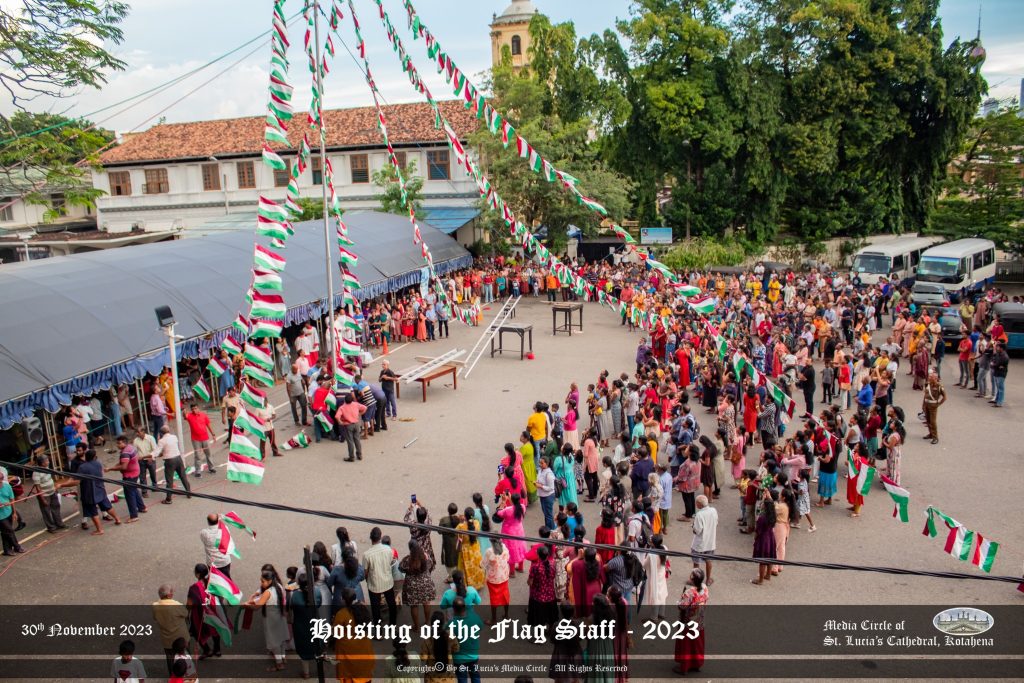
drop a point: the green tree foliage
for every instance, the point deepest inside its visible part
(836, 117)
(48, 47)
(51, 161)
(702, 252)
(984, 193)
(558, 106)
(391, 194)
(312, 209)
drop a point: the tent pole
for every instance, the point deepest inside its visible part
(329, 260)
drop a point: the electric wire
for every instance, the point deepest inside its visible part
(379, 521)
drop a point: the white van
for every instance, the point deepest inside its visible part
(894, 260)
(966, 265)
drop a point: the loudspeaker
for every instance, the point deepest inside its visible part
(164, 316)
(33, 428)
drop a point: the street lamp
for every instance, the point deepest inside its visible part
(25, 236)
(165, 319)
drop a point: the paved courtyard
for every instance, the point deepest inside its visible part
(456, 441)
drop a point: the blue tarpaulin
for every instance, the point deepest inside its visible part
(448, 219)
(74, 325)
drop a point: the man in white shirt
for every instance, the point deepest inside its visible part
(145, 445)
(210, 536)
(705, 529)
(169, 453)
(380, 580)
(546, 492)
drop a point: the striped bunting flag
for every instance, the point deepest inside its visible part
(348, 259)
(272, 210)
(241, 324)
(265, 258)
(257, 374)
(326, 423)
(349, 348)
(231, 346)
(201, 390)
(269, 227)
(268, 306)
(241, 445)
(251, 424)
(226, 544)
(266, 280)
(243, 469)
(259, 356)
(273, 134)
(267, 329)
(221, 585)
(271, 159)
(232, 519)
(254, 397)
(300, 440)
(215, 367)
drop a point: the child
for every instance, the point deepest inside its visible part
(803, 499)
(557, 427)
(742, 484)
(574, 517)
(125, 667)
(828, 375)
(399, 577)
(750, 493)
(180, 649)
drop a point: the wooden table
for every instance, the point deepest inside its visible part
(567, 310)
(514, 328)
(448, 369)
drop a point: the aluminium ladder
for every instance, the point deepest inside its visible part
(492, 329)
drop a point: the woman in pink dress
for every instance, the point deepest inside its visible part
(513, 460)
(511, 514)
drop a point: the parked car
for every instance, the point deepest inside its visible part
(951, 324)
(929, 294)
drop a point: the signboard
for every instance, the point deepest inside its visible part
(655, 235)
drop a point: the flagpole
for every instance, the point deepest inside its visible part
(318, 76)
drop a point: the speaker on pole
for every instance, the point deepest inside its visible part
(164, 316)
(33, 428)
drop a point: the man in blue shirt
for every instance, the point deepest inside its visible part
(10, 540)
(865, 397)
(442, 320)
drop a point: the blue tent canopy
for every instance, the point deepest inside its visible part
(73, 325)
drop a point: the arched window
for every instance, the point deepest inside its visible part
(517, 46)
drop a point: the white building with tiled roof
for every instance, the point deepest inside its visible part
(179, 176)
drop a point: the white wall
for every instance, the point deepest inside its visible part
(24, 215)
(187, 205)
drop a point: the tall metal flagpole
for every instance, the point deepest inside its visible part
(330, 260)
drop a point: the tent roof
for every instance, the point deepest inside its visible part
(70, 316)
(449, 219)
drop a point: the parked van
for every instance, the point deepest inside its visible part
(961, 267)
(894, 260)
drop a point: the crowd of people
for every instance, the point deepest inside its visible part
(705, 408)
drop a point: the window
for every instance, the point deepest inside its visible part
(360, 168)
(401, 158)
(897, 262)
(281, 178)
(120, 183)
(246, 175)
(7, 212)
(59, 204)
(156, 181)
(979, 259)
(316, 168)
(517, 45)
(437, 165)
(211, 177)
(990, 257)
(915, 257)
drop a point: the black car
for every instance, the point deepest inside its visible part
(951, 325)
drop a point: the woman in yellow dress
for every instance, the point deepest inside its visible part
(165, 383)
(470, 559)
(526, 458)
(354, 657)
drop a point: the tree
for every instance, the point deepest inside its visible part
(984, 193)
(312, 209)
(51, 46)
(391, 196)
(554, 108)
(37, 164)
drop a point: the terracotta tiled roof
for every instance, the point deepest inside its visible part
(407, 123)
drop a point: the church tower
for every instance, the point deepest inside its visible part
(512, 29)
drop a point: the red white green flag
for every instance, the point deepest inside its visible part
(900, 496)
(241, 324)
(257, 374)
(215, 367)
(254, 397)
(268, 306)
(686, 290)
(273, 134)
(232, 519)
(349, 348)
(300, 440)
(267, 329)
(265, 258)
(705, 305)
(348, 259)
(266, 280)
(350, 280)
(201, 390)
(226, 544)
(269, 227)
(231, 346)
(272, 159)
(259, 356)
(251, 424)
(958, 543)
(222, 586)
(326, 423)
(244, 469)
(217, 617)
(985, 553)
(241, 445)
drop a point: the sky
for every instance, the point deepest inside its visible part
(165, 39)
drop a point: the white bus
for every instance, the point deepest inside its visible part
(964, 265)
(894, 260)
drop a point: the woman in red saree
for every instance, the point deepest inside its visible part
(690, 651)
